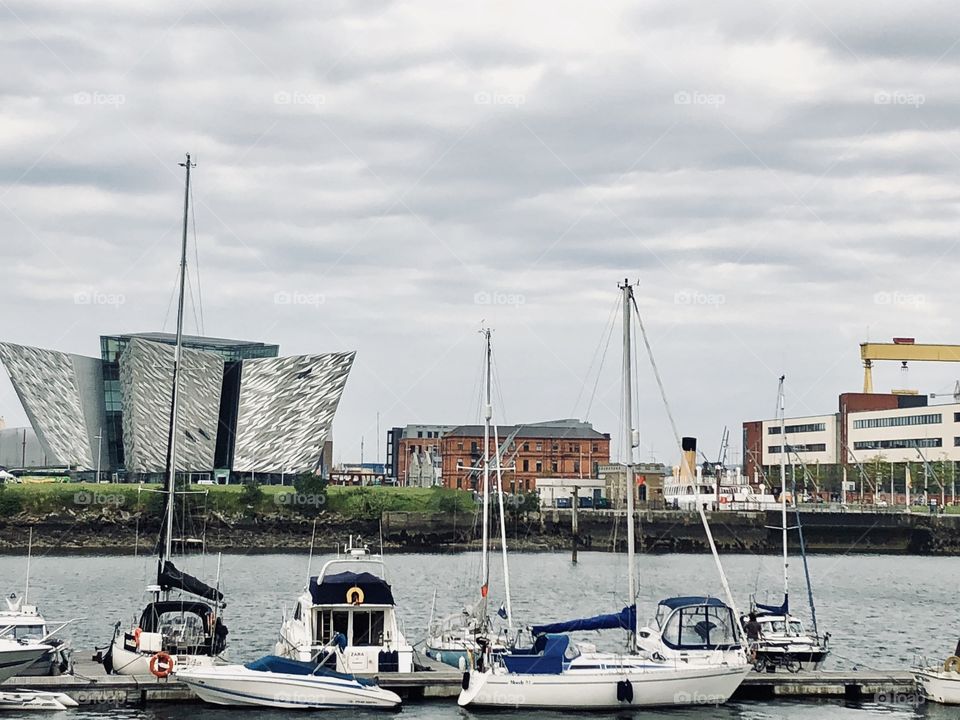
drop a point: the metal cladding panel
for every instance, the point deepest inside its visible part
(146, 381)
(286, 409)
(58, 401)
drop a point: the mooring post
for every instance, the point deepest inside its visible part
(573, 522)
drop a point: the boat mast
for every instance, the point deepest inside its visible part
(627, 448)
(487, 414)
(172, 446)
(503, 530)
(26, 585)
(783, 491)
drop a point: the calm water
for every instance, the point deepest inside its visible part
(882, 612)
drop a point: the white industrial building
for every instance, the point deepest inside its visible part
(811, 439)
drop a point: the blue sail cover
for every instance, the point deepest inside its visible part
(776, 609)
(626, 619)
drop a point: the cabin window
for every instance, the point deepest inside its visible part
(28, 632)
(331, 623)
(367, 628)
(298, 613)
(702, 627)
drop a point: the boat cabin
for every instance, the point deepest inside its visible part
(697, 623)
(178, 627)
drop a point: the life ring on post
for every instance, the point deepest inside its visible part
(355, 596)
(952, 664)
(161, 665)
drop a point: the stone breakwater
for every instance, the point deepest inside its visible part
(117, 531)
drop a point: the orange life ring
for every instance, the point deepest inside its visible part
(161, 665)
(724, 499)
(355, 596)
(136, 636)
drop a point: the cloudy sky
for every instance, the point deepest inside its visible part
(781, 178)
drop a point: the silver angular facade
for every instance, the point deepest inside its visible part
(62, 395)
(146, 380)
(286, 409)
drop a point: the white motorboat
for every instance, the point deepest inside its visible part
(940, 683)
(695, 656)
(35, 700)
(278, 682)
(24, 622)
(16, 656)
(350, 596)
(172, 631)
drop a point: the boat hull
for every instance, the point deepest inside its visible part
(15, 658)
(651, 686)
(127, 662)
(236, 685)
(939, 685)
(448, 656)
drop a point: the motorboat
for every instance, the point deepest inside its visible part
(695, 656)
(940, 683)
(35, 700)
(174, 630)
(23, 622)
(279, 682)
(785, 643)
(16, 656)
(350, 597)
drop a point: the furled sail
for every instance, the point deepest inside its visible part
(626, 619)
(170, 578)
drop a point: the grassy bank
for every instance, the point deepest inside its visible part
(362, 503)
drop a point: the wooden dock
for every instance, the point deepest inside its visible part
(90, 685)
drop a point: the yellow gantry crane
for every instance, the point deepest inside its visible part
(903, 350)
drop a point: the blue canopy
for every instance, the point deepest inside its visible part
(688, 600)
(286, 666)
(776, 609)
(544, 658)
(626, 619)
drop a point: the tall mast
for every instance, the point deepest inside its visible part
(503, 530)
(172, 447)
(783, 490)
(627, 450)
(487, 414)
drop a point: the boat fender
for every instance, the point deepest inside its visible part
(161, 665)
(625, 691)
(952, 664)
(355, 596)
(136, 636)
(465, 682)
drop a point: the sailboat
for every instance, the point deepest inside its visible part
(171, 632)
(706, 661)
(784, 642)
(454, 638)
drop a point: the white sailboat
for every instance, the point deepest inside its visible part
(784, 642)
(704, 661)
(172, 632)
(454, 638)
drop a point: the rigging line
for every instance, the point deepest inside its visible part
(596, 352)
(193, 305)
(596, 383)
(173, 292)
(499, 386)
(196, 258)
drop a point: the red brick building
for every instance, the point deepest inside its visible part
(559, 448)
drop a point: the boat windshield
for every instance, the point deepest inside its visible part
(28, 632)
(700, 627)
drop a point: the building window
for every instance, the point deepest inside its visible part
(539, 447)
(596, 448)
(526, 447)
(576, 466)
(473, 447)
(460, 445)
(526, 466)
(553, 466)
(808, 427)
(459, 483)
(539, 466)
(956, 442)
(556, 446)
(809, 447)
(880, 422)
(898, 444)
(419, 433)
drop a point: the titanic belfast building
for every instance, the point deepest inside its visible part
(243, 408)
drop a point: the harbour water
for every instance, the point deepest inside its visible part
(882, 612)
